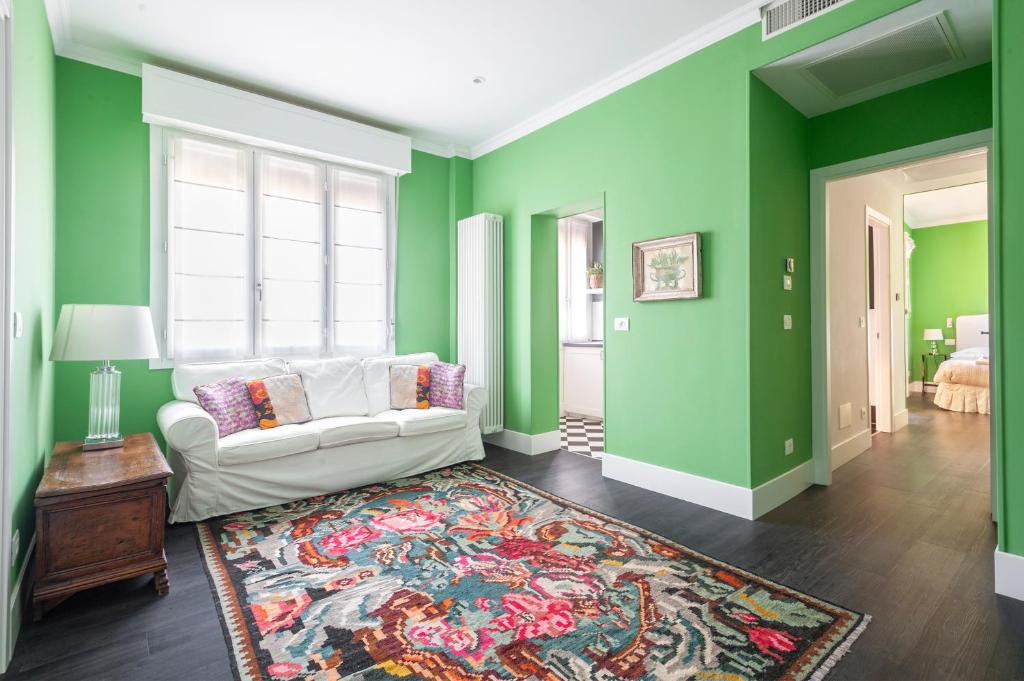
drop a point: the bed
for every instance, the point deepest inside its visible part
(962, 380)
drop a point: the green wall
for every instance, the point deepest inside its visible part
(103, 217)
(948, 278)
(1008, 275)
(688, 148)
(34, 189)
(941, 108)
(780, 360)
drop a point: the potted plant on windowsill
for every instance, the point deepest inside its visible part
(595, 274)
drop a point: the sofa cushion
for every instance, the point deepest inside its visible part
(259, 445)
(423, 421)
(344, 430)
(334, 387)
(186, 377)
(376, 371)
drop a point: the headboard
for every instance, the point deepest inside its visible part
(972, 331)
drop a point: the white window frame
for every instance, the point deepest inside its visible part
(160, 289)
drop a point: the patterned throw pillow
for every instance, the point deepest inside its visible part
(279, 400)
(410, 386)
(447, 382)
(229, 404)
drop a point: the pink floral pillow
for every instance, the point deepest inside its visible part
(230, 405)
(446, 385)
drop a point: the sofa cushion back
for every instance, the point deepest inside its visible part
(185, 377)
(378, 378)
(334, 387)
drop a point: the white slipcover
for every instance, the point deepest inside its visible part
(257, 468)
(334, 387)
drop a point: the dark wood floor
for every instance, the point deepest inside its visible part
(903, 534)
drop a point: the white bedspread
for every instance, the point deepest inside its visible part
(963, 372)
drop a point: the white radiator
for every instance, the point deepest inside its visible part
(481, 336)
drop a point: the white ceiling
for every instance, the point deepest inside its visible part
(949, 206)
(406, 65)
(965, 24)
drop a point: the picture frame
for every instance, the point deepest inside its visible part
(668, 268)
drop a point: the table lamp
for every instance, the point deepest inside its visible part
(104, 333)
(933, 335)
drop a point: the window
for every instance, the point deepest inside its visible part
(270, 254)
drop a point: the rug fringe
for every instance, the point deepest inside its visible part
(833, 659)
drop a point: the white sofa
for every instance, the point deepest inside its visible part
(354, 438)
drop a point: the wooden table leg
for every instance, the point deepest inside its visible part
(160, 581)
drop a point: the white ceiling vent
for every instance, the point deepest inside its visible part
(915, 48)
(783, 15)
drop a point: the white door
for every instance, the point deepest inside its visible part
(879, 326)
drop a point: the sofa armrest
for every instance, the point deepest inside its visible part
(187, 427)
(475, 399)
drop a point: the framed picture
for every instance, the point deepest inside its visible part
(667, 269)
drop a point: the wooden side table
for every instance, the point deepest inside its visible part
(99, 519)
(924, 367)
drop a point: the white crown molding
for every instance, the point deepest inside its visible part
(949, 220)
(737, 20)
(59, 14)
(438, 149)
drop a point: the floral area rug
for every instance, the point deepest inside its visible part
(465, 574)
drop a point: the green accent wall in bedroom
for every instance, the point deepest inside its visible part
(948, 278)
(102, 249)
(34, 191)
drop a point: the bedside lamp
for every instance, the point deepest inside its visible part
(933, 335)
(104, 333)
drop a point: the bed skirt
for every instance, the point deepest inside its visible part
(969, 399)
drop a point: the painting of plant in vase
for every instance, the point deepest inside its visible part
(667, 269)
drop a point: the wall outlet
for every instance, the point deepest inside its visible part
(787, 321)
(622, 323)
(15, 547)
(863, 413)
(787, 282)
(789, 446)
(951, 341)
(949, 322)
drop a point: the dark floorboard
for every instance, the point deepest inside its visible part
(903, 534)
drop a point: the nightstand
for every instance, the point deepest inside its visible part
(99, 519)
(924, 367)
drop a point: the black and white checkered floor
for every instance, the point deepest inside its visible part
(582, 436)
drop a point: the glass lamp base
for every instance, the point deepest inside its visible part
(104, 409)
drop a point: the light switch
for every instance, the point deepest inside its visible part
(19, 325)
(790, 265)
(787, 282)
(787, 321)
(622, 323)
(789, 446)
(949, 322)
(861, 322)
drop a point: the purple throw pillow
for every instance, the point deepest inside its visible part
(446, 384)
(230, 405)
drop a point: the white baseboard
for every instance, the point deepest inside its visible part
(1009, 575)
(917, 386)
(849, 449)
(900, 420)
(525, 444)
(17, 600)
(781, 489)
(721, 496)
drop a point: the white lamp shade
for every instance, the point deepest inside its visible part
(104, 332)
(933, 334)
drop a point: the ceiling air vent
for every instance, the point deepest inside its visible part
(783, 15)
(904, 52)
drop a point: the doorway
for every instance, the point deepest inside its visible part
(842, 429)
(581, 332)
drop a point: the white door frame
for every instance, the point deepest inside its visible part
(820, 177)
(884, 416)
(6, 328)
